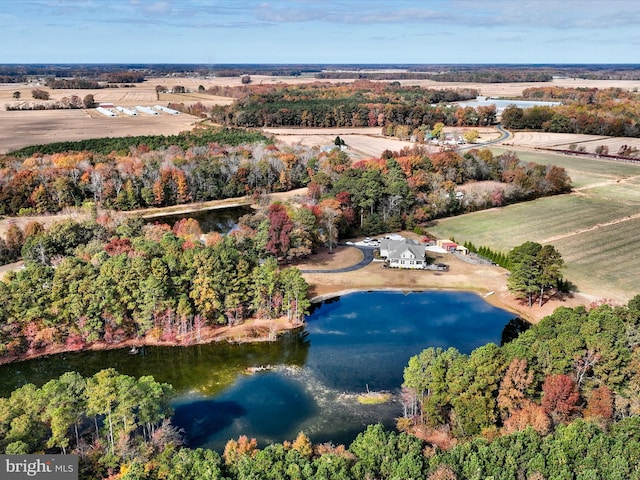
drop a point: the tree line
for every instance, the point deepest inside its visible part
(611, 112)
(577, 364)
(198, 137)
(475, 75)
(137, 172)
(357, 104)
(86, 282)
(407, 188)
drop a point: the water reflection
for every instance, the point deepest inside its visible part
(206, 369)
(221, 220)
(361, 341)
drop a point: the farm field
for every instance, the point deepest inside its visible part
(561, 141)
(20, 129)
(595, 228)
(584, 171)
(23, 128)
(362, 143)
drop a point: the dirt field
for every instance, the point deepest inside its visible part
(561, 141)
(362, 143)
(23, 128)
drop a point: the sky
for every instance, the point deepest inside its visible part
(320, 31)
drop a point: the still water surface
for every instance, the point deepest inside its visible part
(221, 220)
(359, 341)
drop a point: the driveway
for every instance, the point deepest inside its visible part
(367, 258)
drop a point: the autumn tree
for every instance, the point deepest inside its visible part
(559, 397)
(280, 226)
(13, 242)
(235, 450)
(89, 101)
(303, 445)
(438, 130)
(514, 387)
(600, 404)
(470, 136)
(529, 414)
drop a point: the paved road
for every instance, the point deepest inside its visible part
(504, 136)
(367, 253)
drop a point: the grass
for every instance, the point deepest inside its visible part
(504, 228)
(594, 229)
(374, 398)
(604, 259)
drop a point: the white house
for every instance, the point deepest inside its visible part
(405, 253)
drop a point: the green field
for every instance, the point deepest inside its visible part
(583, 171)
(594, 227)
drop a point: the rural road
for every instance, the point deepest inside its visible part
(504, 135)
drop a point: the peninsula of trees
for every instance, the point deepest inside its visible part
(90, 282)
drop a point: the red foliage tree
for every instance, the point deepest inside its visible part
(117, 246)
(280, 226)
(560, 397)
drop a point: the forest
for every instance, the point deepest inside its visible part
(476, 75)
(612, 112)
(401, 190)
(558, 402)
(358, 104)
(111, 282)
(137, 172)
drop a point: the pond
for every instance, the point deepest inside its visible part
(308, 380)
(501, 104)
(221, 220)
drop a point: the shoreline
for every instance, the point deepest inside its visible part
(251, 331)
(487, 281)
(318, 299)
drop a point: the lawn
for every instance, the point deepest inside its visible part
(595, 228)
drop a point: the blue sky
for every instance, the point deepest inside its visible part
(320, 31)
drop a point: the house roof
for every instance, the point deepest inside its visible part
(396, 248)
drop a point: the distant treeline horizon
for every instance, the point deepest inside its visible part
(483, 73)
